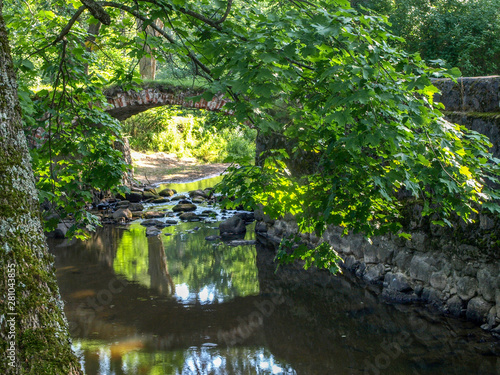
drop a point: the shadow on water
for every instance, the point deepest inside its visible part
(178, 304)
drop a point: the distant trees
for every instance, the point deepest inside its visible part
(464, 33)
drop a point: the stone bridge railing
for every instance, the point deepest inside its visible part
(125, 104)
(475, 103)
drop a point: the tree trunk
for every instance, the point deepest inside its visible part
(147, 64)
(34, 335)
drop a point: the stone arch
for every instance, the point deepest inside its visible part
(125, 104)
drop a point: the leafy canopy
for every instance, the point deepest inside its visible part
(356, 116)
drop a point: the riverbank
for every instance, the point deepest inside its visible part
(161, 167)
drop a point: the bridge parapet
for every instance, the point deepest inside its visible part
(125, 104)
(470, 94)
(475, 103)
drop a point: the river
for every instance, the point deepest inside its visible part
(178, 304)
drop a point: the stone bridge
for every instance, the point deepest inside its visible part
(125, 104)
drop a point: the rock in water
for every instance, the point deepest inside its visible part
(184, 207)
(153, 215)
(133, 197)
(152, 231)
(124, 212)
(136, 207)
(233, 225)
(166, 193)
(189, 216)
(152, 222)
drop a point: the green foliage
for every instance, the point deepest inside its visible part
(351, 106)
(192, 133)
(463, 33)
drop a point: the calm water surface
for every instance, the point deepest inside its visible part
(178, 304)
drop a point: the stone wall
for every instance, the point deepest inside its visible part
(456, 271)
(433, 267)
(475, 103)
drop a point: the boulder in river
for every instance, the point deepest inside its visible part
(233, 225)
(134, 197)
(122, 213)
(189, 216)
(184, 207)
(135, 207)
(153, 214)
(198, 193)
(179, 197)
(149, 195)
(152, 223)
(160, 200)
(152, 231)
(198, 200)
(166, 193)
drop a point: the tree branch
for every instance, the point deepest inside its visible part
(97, 11)
(228, 9)
(63, 32)
(138, 15)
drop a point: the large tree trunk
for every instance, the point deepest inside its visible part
(34, 335)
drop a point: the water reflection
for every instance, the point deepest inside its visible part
(178, 304)
(203, 360)
(184, 264)
(194, 185)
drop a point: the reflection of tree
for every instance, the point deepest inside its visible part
(226, 271)
(100, 247)
(161, 281)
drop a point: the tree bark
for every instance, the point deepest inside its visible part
(34, 334)
(147, 64)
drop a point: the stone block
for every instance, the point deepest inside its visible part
(370, 254)
(419, 241)
(487, 284)
(478, 309)
(386, 251)
(456, 306)
(466, 287)
(350, 263)
(420, 269)
(397, 282)
(358, 244)
(438, 280)
(403, 259)
(374, 273)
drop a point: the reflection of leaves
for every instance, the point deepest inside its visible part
(239, 360)
(132, 256)
(230, 270)
(191, 260)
